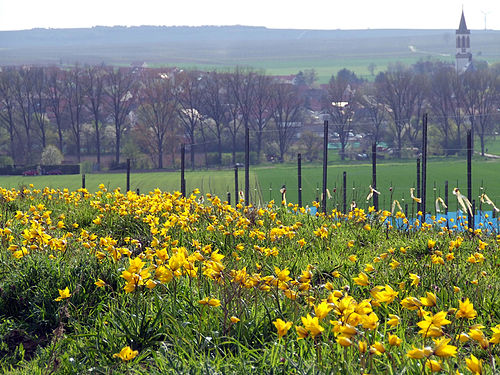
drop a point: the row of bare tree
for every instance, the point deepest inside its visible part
(393, 105)
(160, 108)
(36, 101)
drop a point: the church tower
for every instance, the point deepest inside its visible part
(463, 56)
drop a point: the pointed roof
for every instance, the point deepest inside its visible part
(462, 29)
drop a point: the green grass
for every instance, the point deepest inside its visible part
(266, 181)
(325, 68)
(400, 175)
(491, 145)
(159, 259)
(217, 182)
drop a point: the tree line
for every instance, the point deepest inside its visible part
(100, 110)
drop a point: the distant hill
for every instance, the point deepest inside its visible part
(278, 51)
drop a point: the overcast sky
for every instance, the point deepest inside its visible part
(305, 14)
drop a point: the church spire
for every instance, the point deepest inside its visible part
(462, 28)
(463, 56)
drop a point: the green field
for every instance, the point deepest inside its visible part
(491, 146)
(161, 284)
(214, 181)
(277, 52)
(266, 181)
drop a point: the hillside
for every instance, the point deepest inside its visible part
(276, 51)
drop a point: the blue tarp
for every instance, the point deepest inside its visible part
(482, 220)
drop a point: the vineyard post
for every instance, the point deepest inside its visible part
(434, 190)
(236, 188)
(418, 183)
(344, 192)
(424, 165)
(446, 196)
(128, 175)
(183, 166)
(472, 223)
(325, 164)
(469, 175)
(446, 201)
(374, 175)
(247, 166)
(299, 177)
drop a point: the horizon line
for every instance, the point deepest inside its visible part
(237, 25)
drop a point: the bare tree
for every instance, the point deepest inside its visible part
(40, 103)
(417, 105)
(54, 94)
(372, 111)
(394, 88)
(7, 107)
(23, 93)
(189, 99)
(261, 112)
(213, 107)
(234, 121)
(120, 95)
(157, 114)
(480, 94)
(74, 95)
(242, 86)
(458, 113)
(441, 101)
(93, 82)
(287, 111)
(341, 103)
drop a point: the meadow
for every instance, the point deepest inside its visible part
(277, 52)
(394, 180)
(110, 283)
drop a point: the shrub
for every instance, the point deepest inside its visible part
(51, 156)
(6, 161)
(86, 166)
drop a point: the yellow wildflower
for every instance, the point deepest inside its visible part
(393, 321)
(363, 346)
(210, 302)
(466, 310)
(394, 340)
(474, 365)
(322, 310)
(377, 348)
(100, 283)
(126, 354)
(344, 341)
(282, 327)
(312, 325)
(362, 279)
(495, 338)
(443, 350)
(63, 294)
(429, 300)
(415, 279)
(433, 365)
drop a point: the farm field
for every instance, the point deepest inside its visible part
(214, 181)
(266, 181)
(277, 52)
(109, 283)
